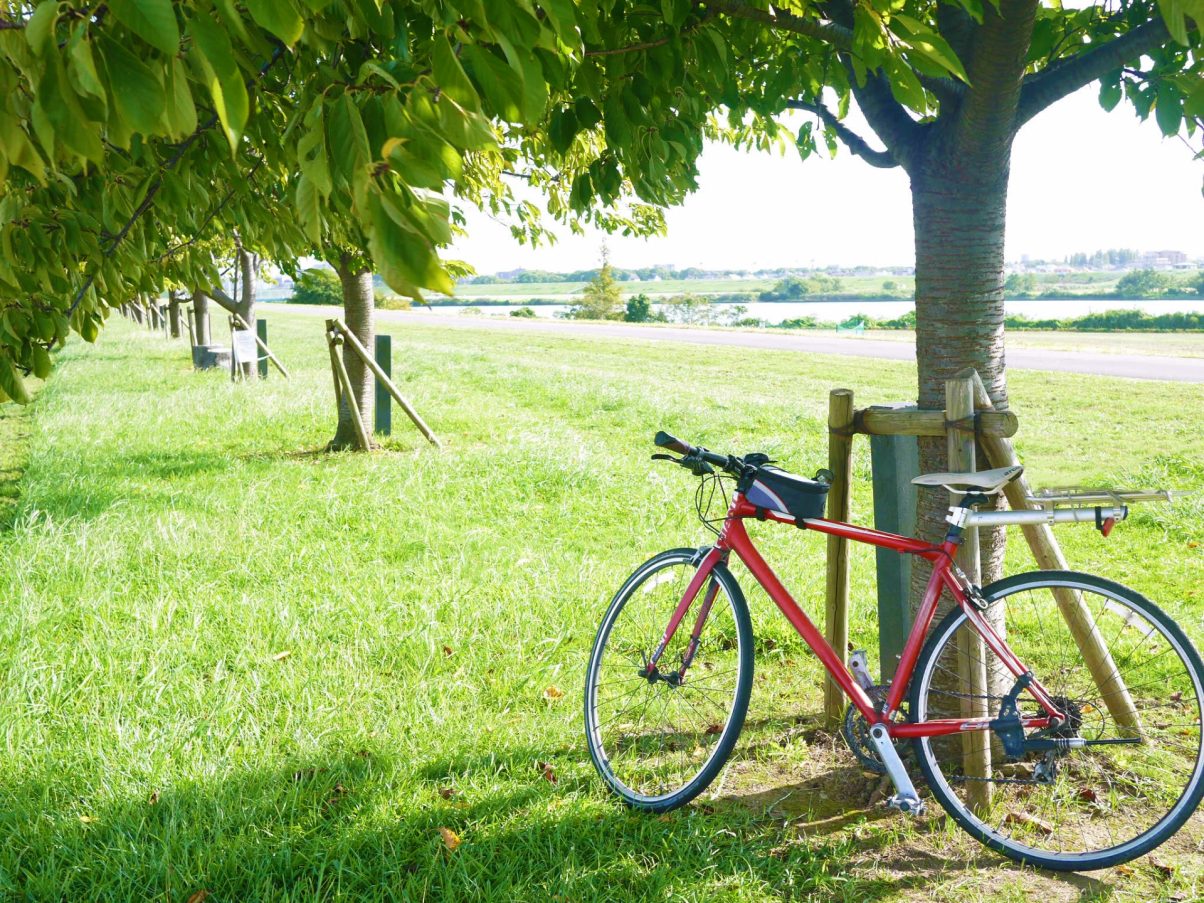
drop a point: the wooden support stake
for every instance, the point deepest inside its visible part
(836, 611)
(263, 368)
(334, 369)
(384, 378)
(361, 433)
(884, 421)
(971, 652)
(1049, 557)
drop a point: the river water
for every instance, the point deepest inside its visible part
(839, 311)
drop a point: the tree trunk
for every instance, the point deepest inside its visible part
(959, 225)
(358, 314)
(245, 307)
(200, 315)
(173, 312)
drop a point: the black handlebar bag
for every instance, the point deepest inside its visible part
(787, 495)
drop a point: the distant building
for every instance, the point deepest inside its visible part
(1162, 259)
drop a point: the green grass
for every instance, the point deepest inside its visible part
(235, 664)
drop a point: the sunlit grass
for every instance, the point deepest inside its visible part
(233, 663)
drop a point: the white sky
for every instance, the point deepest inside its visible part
(1082, 179)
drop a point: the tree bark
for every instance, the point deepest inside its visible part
(173, 312)
(200, 315)
(959, 214)
(359, 315)
(248, 264)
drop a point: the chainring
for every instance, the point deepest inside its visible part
(856, 732)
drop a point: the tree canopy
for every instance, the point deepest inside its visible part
(133, 133)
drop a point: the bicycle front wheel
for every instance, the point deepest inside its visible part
(659, 743)
(1091, 804)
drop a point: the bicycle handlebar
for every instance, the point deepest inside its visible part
(727, 462)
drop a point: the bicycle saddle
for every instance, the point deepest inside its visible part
(986, 481)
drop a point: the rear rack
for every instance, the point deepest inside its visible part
(1077, 505)
(1054, 498)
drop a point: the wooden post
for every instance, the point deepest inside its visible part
(971, 652)
(348, 394)
(334, 369)
(384, 401)
(261, 339)
(895, 460)
(349, 336)
(836, 620)
(1048, 555)
(191, 330)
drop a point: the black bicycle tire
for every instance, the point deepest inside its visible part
(1162, 830)
(744, 682)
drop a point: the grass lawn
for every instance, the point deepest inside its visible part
(232, 663)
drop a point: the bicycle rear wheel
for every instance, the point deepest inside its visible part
(1078, 808)
(659, 743)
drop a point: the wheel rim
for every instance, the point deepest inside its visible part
(651, 741)
(1110, 801)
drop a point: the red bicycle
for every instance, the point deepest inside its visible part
(1091, 761)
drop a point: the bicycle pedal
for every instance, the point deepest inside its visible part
(908, 805)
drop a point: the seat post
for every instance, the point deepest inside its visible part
(958, 513)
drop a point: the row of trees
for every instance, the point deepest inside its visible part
(140, 140)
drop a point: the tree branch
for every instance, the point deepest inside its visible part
(829, 32)
(1047, 87)
(883, 159)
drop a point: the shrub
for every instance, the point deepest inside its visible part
(317, 286)
(525, 312)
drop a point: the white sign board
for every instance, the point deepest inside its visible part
(244, 346)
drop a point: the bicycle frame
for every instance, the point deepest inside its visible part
(945, 577)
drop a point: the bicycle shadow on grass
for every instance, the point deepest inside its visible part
(891, 855)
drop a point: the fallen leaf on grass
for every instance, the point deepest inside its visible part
(713, 729)
(88, 819)
(1029, 821)
(281, 656)
(1162, 868)
(199, 896)
(546, 770)
(1124, 870)
(553, 692)
(153, 798)
(1087, 795)
(448, 792)
(1177, 696)
(448, 651)
(451, 839)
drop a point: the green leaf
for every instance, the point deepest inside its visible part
(137, 89)
(39, 30)
(308, 208)
(405, 260)
(152, 20)
(497, 81)
(40, 361)
(181, 111)
(450, 77)
(19, 150)
(562, 129)
(1109, 91)
(347, 138)
(11, 382)
(1168, 108)
(224, 79)
(1173, 14)
(279, 17)
(63, 113)
(926, 42)
(82, 67)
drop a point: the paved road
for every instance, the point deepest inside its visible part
(1131, 366)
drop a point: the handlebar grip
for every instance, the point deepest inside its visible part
(664, 440)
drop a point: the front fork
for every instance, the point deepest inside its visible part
(706, 563)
